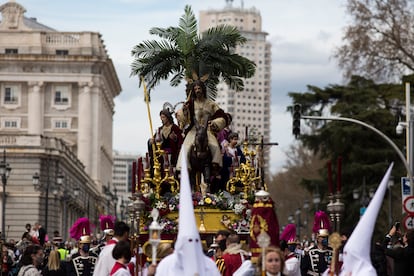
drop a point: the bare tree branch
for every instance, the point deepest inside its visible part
(379, 43)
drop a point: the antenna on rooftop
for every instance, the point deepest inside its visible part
(229, 3)
(242, 4)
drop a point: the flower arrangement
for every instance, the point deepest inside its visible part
(169, 226)
(223, 200)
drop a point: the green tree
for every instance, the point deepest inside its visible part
(364, 153)
(297, 183)
(183, 54)
(379, 42)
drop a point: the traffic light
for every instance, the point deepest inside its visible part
(297, 112)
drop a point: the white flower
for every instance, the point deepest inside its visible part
(160, 205)
(238, 208)
(230, 203)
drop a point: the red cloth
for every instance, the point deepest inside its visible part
(263, 219)
(131, 268)
(290, 256)
(35, 240)
(170, 145)
(112, 241)
(231, 263)
(116, 267)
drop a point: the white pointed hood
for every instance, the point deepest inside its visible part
(188, 258)
(357, 260)
(188, 245)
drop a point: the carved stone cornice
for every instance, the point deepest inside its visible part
(32, 84)
(12, 16)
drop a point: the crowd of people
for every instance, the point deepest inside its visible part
(113, 254)
(228, 252)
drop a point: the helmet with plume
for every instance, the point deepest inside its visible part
(289, 234)
(107, 224)
(288, 238)
(81, 230)
(321, 225)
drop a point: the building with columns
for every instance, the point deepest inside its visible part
(249, 108)
(56, 116)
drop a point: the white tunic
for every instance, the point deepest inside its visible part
(170, 266)
(292, 267)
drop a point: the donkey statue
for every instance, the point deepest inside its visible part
(200, 159)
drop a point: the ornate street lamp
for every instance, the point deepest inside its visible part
(5, 170)
(306, 208)
(76, 191)
(390, 184)
(335, 209)
(291, 218)
(115, 199)
(297, 213)
(362, 195)
(355, 193)
(108, 196)
(122, 206)
(39, 186)
(316, 200)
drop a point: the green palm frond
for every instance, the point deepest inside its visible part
(187, 35)
(169, 33)
(181, 51)
(158, 67)
(235, 83)
(188, 23)
(150, 48)
(224, 36)
(176, 79)
(212, 87)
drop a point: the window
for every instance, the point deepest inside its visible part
(10, 96)
(10, 123)
(61, 123)
(11, 51)
(62, 52)
(61, 96)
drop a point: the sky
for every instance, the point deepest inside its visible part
(303, 34)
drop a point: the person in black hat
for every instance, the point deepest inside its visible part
(288, 245)
(83, 262)
(319, 256)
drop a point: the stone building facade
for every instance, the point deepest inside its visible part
(56, 116)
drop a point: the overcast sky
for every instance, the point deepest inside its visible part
(303, 34)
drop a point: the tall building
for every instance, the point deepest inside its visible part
(122, 178)
(250, 108)
(56, 116)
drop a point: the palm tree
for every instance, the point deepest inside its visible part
(184, 54)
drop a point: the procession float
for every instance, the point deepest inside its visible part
(243, 206)
(241, 203)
